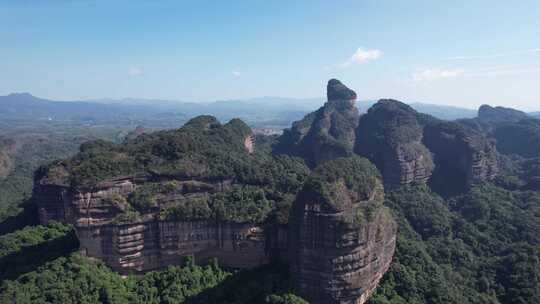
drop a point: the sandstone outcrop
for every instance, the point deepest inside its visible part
(327, 133)
(390, 135)
(462, 156)
(341, 237)
(175, 205)
(410, 147)
(149, 241)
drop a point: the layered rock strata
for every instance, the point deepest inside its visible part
(462, 156)
(341, 237)
(148, 242)
(391, 137)
(410, 147)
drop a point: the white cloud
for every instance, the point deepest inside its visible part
(236, 73)
(361, 56)
(431, 74)
(135, 71)
(422, 75)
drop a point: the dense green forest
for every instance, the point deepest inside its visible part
(28, 145)
(481, 246)
(39, 265)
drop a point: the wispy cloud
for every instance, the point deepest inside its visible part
(422, 75)
(236, 73)
(503, 70)
(432, 74)
(361, 56)
(496, 55)
(135, 71)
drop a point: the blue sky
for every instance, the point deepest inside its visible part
(463, 53)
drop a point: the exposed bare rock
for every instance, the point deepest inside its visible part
(335, 90)
(341, 237)
(249, 143)
(462, 156)
(327, 133)
(410, 147)
(390, 135)
(147, 242)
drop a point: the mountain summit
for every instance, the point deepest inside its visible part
(500, 114)
(335, 90)
(326, 133)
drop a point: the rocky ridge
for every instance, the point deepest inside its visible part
(393, 136)
(513, 131)
(410, 147)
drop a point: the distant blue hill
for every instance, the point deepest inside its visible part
(276, 111)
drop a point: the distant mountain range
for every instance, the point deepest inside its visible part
(267, 111)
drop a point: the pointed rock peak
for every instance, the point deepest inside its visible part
(338, 91)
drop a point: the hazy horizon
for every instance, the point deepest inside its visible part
(458, 54)
(322, 99)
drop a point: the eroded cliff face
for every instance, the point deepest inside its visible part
(391, 137)
(410, 147)
(341, 238)
(149, 241)
(462, 156)
(327, 133)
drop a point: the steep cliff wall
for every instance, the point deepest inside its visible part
(409, 147)
(146, 242)
(462, 156)
(391, 137)
(341, 237)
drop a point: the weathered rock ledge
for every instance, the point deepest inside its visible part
(149, 242)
